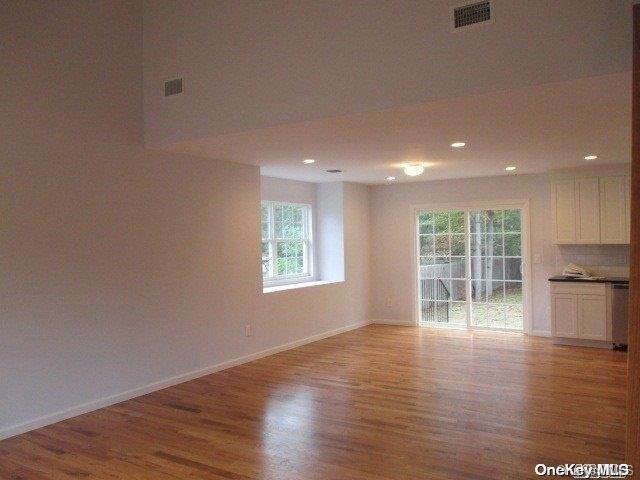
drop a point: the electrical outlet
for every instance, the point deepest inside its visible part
(389, 302)
(247, 330)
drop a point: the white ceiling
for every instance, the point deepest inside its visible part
(535, 128)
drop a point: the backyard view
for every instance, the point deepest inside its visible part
(488, 242)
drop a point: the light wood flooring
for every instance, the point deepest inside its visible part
(380, 402)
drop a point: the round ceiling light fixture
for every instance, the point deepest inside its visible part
(391, 178)
(308, 161)
(510, 169)
(458, 144)
(414, 170)
(591, 157)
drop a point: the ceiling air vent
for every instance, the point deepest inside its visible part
(172, 87)
(334, 170)
(471, 14)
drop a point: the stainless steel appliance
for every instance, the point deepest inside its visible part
(620, 326)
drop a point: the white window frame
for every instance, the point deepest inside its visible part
(273, 280)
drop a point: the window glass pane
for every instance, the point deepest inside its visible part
(458, 267)
(278, 212)
(427, 267)
(480, 314)
(493, 245)
(512, 268)
(478, 292)
(497, 216)
(495, 292)
(458, 245)
(478, 222)
(264, 219)
(487, 268)
(457, 222)
(425, 223)
(512, 245)
(427, 311)
(442, 268)
(441, 222)
(427, 260)
(513, 292)
(512, 221)
(290, 257)
(476, 241)
(426, 245)
(458, 290)
(495, 316)
(435, 289)
(474, 225)
(266, 258)
(289, 222)
(442, 245)
(458, 313)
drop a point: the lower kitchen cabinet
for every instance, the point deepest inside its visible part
(581, 310)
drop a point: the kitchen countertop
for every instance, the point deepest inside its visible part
(562, 278)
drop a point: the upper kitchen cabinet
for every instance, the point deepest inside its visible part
(563, 198)
(614, 210)
(587, 210)
(591, 209)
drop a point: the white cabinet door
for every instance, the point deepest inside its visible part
(587, 210)
(564, 211)
(592, 317)
(613, 211)
(564, 315)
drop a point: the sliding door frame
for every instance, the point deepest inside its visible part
(523, 205)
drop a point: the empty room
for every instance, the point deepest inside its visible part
(319, 239)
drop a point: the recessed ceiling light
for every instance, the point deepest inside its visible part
(591, 157)
(391, 178)
(309, 160)
(510, 169)
(458, 144)
(413, 170)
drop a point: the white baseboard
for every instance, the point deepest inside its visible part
(169, 382)
(541, 333)
(393, 321)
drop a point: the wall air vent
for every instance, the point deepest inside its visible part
(467, 15)
(172, 87)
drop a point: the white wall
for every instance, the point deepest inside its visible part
(331, 225)
(248, 65)
(123, 268)
(283, 190)
(391, 239)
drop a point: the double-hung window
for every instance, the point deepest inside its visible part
(286, 243)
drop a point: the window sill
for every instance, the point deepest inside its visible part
(293, 286)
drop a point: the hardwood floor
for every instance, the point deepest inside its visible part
(380, 402)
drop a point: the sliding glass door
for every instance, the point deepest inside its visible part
(442, 267)
(470, 268)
